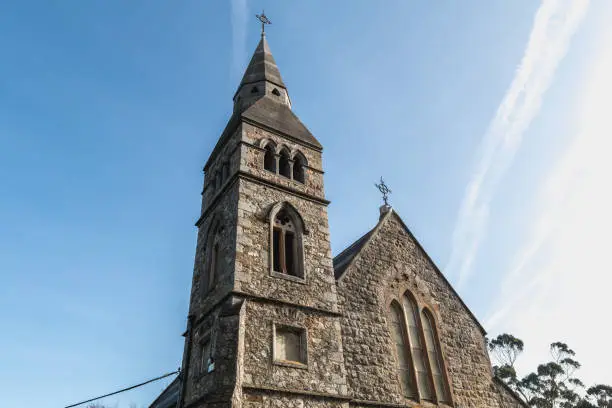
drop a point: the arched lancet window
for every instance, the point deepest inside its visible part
(286, 242)
(418, 351)
(435, 356)
(214, 255)
(276, 92)
(284, 166)
(402, 348)
(254, 90)
(270, 158)
(298, 167)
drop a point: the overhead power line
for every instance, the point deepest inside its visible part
(125, 389)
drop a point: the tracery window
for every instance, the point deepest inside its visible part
(420, 362)
(286, 242)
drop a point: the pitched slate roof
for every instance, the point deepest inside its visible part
(262, 66)
(344, 258)
(169, 396)
(278, 116)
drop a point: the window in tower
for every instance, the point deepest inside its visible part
(205, 355)
(254, 90)
(286, 243)
(214, 266)
(276, 92)
(402, 350)
(435, 357)
(290, 345)
(270, 158)
(298, 167)
(284, 165)
(418, 351)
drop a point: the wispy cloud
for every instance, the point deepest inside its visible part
(554, 25)
(558, 289)
(240, 11)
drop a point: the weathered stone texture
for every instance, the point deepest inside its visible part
(224, 211)
(253, 275)
(221, 327)
(325, 363)
(251, 161)
(391, 263)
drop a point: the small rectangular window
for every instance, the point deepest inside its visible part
(290, 344)
(276, 233)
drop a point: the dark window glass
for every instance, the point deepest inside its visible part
(298, 170)
(284, 168)
(276, 236)
(289, 253)
(270, 159)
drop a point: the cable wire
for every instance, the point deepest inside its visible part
(125, 389)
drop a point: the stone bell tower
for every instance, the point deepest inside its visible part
(264, 326)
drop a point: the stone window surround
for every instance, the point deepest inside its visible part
(423, 307)
(304, 336)
(204, 338)
(292, 156)
(300, 232)
(212, 272)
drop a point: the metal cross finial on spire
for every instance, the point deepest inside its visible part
(385, 191)
(264, 20)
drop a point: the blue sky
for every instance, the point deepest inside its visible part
(109, 109)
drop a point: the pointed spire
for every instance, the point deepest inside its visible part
(262, 66)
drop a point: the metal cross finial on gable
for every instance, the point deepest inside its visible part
(264, 20)
(384, 189)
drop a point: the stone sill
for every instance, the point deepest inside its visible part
(288, 277)
(290, 364)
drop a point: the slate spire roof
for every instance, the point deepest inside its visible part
(262, 66)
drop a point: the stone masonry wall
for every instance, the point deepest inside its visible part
(221, 328)
(385, 268)
(252, 268)
(325, 363)
(225, 211)
(251, 161)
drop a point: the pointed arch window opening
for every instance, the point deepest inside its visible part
(276, 92)
(435, 357)
(270, 158)
(402, 348)
(417, 346)
(418, 350)
(286, 245)
(298, 169)
(254, 90)
(214, 259)
(285, 164)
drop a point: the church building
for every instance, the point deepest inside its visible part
(275, 321)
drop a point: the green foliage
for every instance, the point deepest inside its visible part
(553, 384)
